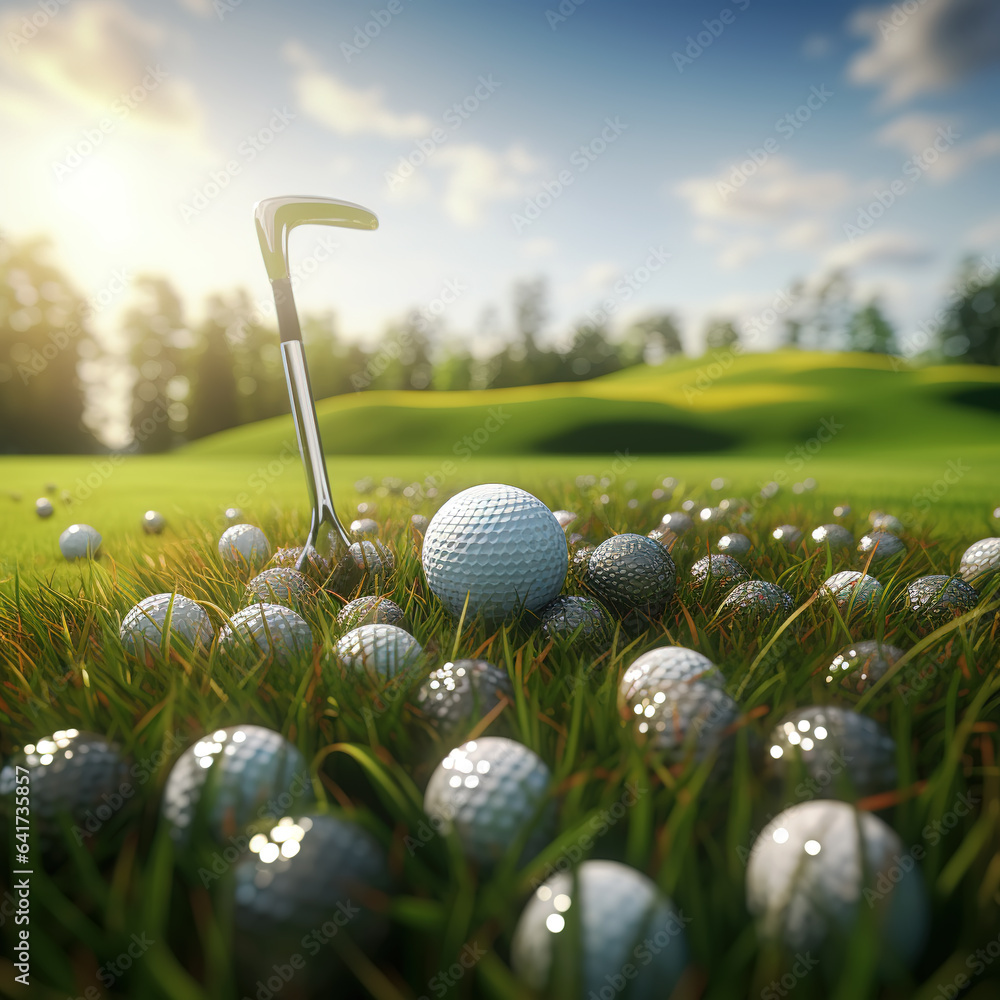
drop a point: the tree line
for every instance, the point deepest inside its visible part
(184, 380)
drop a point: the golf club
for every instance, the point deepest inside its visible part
(275, 218)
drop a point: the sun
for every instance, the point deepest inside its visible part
(97, 198)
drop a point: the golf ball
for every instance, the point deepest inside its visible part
(678, 522)
(80, 541)
(276, 631)
(142, 628)
(980, 562)
(43, 507)
(153, 522)
(627, 927)
(81, 776)
(230, 778)
(315, 566)
(461, 692)
(880, 545)
(817, 864)
(643, 678)
(788, 535)
(492, 792)
(862, 664)
(419, 523)
(370, 610)
(718, 571)
(852, 592)
(834, 535)
(381, 651)
(364, 527)
(837, 750)
(245, 545)
(368, 561)
(280, 585)
(498, 546)
(566, 617)
(233, 514)
(935, 600)
(756, 602)
(735, 545)
(629, 572)
(881, 521)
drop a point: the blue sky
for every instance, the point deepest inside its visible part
(168, 187)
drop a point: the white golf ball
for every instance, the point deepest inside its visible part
(852, 591)
(491, 792)
(43, 507)
(627, 928)
(818, 864)
(80, 541)
(143, 626)
(153, 522)
(275, 630)
(245, 545)
(280, 585)
(381, 651)
(498, 546)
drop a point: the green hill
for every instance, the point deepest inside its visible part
(762, 404)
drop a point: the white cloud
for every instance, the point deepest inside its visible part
(809, 234)
(916, 134)
(91, 58)
(740, 252)
(344, 109)
(936, 46)
(778, 190)
(887, 248)
(985, 234)
(538, 246)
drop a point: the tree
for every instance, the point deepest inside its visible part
(869, 330)
(531, 313)
(214, 401)
(971, 328)
(720, 335)
(658, 336)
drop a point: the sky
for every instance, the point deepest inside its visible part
(693, 157)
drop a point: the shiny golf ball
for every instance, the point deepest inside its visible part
(852, 592)
(880, 545)
(836, 750)
(627, 927)
(276, 631)
(142, 628)
(818, 864)
(834, 535)
(678, 522)
(718, 571)
(280, 585)
(364, 527)
(629, 572)
(933, 601)
(492, 792)
(244, 545)
(80, 541)
(43, 507)
(980, 562)
(153, 522)
(757, 602)
(370, 610)
(368, 561)
(232, 777)
(498, 546)
(583, 617)
(861, 664)
(788, 535)
(734, 545)
(643, 679)
(462, 692)
(315, 566)
(380, 651)
(881, 521)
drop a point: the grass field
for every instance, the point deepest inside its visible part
(371, 752)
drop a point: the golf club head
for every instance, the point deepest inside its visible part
(274, 219)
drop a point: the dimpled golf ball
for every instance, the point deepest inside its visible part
(852, 591)
(364, 527)
(497, 545)
(367, 561)
(81, 776)
(838, 750)
(809, 871)
(370, 610)
(626, 923)
(142, 628)
(686, 720)
(718, 571)
(381, 651)
(153, 522)
(734, 545)
(491, 792)
(245, 545)
(880, 545)
(678, 522)
(933, 601)
(756, 602)
(788, 535)
(80, 541)
(43, 507)
(580, 616)
(306, 871)
(629, 572)
(980, 562)
(861, 664)
(315, 566)
(834, 535)
(280, 585)
(644, 677)
(881, 521)
(278, 632)
(462, 692)
(233, 514)
(230, 778)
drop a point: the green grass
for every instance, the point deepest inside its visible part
(63, 666)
